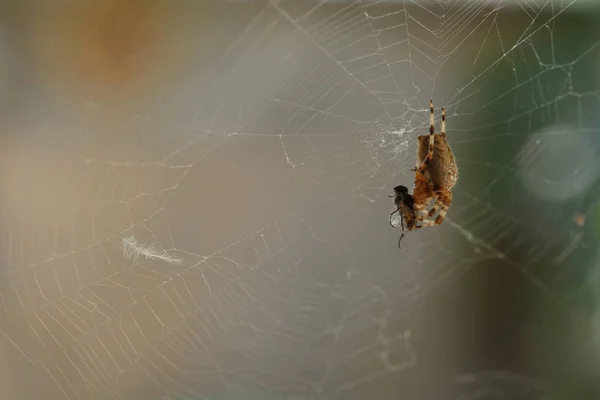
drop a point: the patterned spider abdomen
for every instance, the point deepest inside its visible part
(442, 170)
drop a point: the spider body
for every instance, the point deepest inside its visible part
(442, 170)
(436, 174)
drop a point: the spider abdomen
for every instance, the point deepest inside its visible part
(442, 170)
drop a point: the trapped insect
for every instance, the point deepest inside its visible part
(436, 174)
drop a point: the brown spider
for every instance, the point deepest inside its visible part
(435, 175)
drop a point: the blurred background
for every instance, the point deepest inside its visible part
(194, 200)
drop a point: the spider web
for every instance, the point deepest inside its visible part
(215, 225)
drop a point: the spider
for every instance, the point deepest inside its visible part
(436, 174)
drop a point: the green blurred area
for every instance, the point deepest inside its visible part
(551, 80)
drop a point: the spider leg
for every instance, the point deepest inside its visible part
(443, 130)
(422, 194)
(444, 199)
(421, 222)
(420, 218)
(427, 159)
(426, 223)
(431, 118)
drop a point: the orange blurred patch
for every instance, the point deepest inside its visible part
(102, 44)
(122, 39)
(580, 220)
